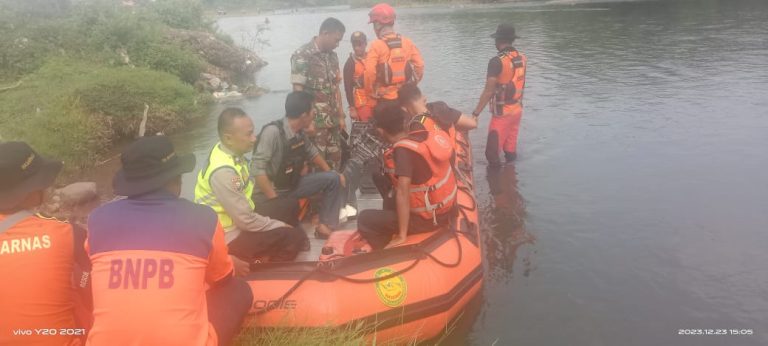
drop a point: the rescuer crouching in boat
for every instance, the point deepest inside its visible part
(280, 156)
(40, 256)
(423, 197)
(224, 184)
(161, 273)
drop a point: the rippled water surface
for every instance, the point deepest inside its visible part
(639, 203)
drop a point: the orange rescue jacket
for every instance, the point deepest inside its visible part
(392, 61)
(437, 195)
(358, 84)
(510, 83)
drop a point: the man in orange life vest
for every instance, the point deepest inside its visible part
(40, 256)
(419, 167)
(504, 89)
(161, 273)
(360, 105)
(392, 59)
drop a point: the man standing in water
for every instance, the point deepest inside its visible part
(315, 69)
(392, 60)
(504, 85)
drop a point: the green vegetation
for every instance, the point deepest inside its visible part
(75, 77)
(353, 334)
(76, 112)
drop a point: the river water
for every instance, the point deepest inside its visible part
(639, 203)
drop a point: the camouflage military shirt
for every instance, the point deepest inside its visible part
(320, 75)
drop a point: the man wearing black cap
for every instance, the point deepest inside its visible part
(39, 255)
(504, 89)
(161, 272)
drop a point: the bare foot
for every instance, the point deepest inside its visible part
(322, 231)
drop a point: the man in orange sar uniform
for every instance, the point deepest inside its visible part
(360, 105)
(42, 261)
(161, 272)
(392, 59)
(504, 86)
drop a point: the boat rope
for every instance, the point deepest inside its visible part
(425, 254)
(321, 269)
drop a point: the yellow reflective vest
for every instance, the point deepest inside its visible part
(204, 193)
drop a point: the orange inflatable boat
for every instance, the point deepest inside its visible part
(410, 292)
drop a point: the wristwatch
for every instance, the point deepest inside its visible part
(475, 114)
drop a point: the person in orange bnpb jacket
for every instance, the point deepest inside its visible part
(504, 86)
(42, 261)
(161, 272)
(360, 105)
(392, 59)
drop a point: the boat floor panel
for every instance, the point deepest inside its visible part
(364, 201)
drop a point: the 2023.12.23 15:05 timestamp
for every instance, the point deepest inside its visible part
(715, 332)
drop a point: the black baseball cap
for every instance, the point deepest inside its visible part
(149, 164)
(22, 170)
(505, 31)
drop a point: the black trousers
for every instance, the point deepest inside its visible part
(228, 303)
(279, 245)
(284, 208)
(379, 226)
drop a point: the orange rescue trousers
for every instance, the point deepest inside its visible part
(502, 135)
(364, 113)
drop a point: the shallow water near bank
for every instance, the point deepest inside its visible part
(639, 204)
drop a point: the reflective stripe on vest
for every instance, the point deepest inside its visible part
(438, 194)
(358, 86)
(397, 68)
(203, 191)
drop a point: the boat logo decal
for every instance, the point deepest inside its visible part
(393, 291)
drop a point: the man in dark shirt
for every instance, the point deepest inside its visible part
(279, 158)
(504, 86)
(410, 169)
(415, 104)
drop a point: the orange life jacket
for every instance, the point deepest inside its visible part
(358, 85)
(510, 83)
(437, 195)
(431, 125)
(397, 69)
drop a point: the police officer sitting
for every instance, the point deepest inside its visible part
(281, 155)
(40, 256)
(224, 184)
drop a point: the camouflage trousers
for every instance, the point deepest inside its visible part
(328, 142)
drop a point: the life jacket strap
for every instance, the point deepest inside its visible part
(13, 219)
(437, 185)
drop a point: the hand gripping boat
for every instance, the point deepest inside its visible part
(410, 292)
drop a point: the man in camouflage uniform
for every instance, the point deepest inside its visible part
(315, 68)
